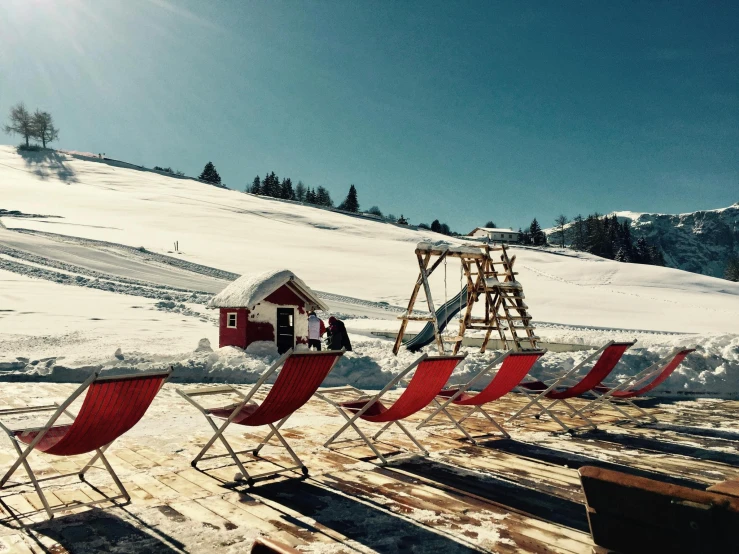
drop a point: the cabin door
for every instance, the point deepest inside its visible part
(285, 329)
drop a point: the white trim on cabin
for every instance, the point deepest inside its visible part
(235, 324)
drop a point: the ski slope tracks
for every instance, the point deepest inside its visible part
(88, 267)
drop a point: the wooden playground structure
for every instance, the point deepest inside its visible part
(487, 280)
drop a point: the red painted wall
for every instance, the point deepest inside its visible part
(286, 297)
(259, 330)
(233, 337)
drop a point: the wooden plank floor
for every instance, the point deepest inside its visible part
(501, 495)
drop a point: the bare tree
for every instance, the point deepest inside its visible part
(561, 221)
(20, 122)
(43, 127)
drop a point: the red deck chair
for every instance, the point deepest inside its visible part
(111, 407)
(301, 374)
(431, 374)
(515, 366)
(569, 385)
(638, 385)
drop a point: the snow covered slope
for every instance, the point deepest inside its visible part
(112, 228)
(331, 252)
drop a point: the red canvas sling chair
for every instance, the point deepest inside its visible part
(514, 367)
(571, 385)
(430, 376)
(638, 385)
(300, 374)
(112, 406)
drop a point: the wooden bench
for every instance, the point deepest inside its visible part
(636, 515)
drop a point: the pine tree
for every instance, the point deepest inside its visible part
(286, 189)
(256, 186)
(656, 257)
(436, 226)
(210, 175)
(20, 122)
(490, 224)
(642, 254)
(622, 255)
(374, 210)
(300, 192)
(351, 203)
(538, 237)
(402, 220)
(271, 185)
(445, 230)
(323, 198)
(310, 196)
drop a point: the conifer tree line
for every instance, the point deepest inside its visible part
(38, 125)
(272, 186)
(533, 235)
(604, 236)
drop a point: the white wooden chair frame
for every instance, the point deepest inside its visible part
(537, 397)
(245, 399)
(59, 410)
(351, 419)
(442, 408)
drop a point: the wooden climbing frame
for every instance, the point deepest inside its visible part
(488, 281)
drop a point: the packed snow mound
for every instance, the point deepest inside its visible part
(249, 290)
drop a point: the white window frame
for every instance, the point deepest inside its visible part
(235, 320)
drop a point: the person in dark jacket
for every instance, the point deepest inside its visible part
(337, 335)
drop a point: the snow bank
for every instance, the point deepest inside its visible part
(713, 370)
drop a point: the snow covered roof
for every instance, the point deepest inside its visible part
(443, 245)
(248, 290)
(494, 230)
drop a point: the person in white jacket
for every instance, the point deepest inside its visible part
(316, 329)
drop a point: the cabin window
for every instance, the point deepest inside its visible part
(231, 320)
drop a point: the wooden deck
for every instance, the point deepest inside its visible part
(517, 495)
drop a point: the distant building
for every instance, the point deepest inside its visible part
(493, 234)
(271, 306)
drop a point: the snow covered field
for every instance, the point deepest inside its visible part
(99, 273)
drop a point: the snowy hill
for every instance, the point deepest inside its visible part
(700, 242)
(96, 228)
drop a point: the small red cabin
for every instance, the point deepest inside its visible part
(271, 306)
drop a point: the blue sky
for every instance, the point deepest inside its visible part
(462, 111)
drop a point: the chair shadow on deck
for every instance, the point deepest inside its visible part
(374, 528)
(576, 461)
(665, 447)
(533, 502)
(99, 530)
